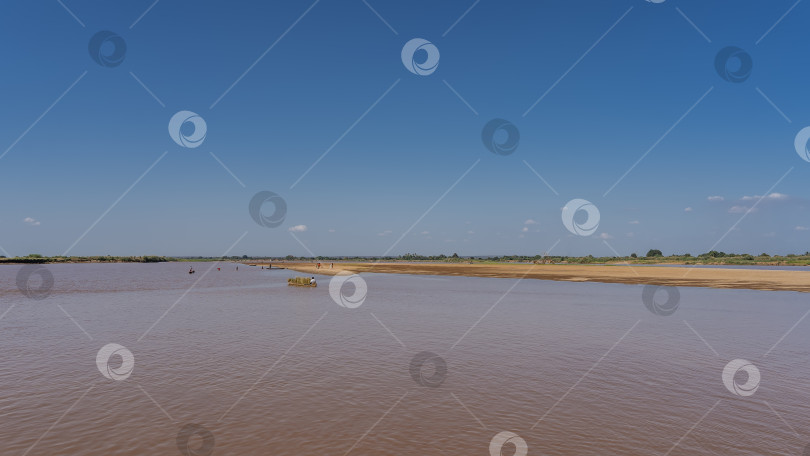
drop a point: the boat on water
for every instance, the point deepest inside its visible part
(302, 282)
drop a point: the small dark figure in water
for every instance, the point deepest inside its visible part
(237, 268)
(312, 281)
(191, 270)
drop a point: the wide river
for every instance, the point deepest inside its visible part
(227, 362)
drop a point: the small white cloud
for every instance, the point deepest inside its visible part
(716, 198)
(425, 233)
(298, 228)
(801, 228)
(739, 209)
(530, 222)
(605, 236)
(525, 229)
(688, 209)
(633, 222)
(331, 230)
(772, 196)
(470, 232)
(521, 236)
(385, 233)
(31, 221)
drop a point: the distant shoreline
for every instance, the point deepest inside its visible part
(36, 259)
(665, 273)
(747, 279)
(792, 260)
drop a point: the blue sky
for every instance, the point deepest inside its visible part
(619, 77)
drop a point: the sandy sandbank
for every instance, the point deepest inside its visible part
(752, 279)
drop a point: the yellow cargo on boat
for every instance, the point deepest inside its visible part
(301, 282)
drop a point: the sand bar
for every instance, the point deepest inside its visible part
(751, 279)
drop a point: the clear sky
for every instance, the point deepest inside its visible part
(89, 167)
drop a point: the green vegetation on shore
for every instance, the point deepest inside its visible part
(653, 256)
(35, 258)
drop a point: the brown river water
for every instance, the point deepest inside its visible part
(237, 363)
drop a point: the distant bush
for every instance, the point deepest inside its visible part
(654, 253)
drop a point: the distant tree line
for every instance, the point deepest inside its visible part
(653, 256)
(37, 258)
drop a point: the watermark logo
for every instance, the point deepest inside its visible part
(187, 120)
(121, 372)
(744, 367)
(409, 57)
(279, 209)
(33, 288)
(419, 372)
(801, 143)
(658, 307)
(582, 227)
(505, 437)
(184, 439)
(733, 64)
(353, 300)
(107, 49)
(500, 146)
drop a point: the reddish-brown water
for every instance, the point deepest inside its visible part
(263, 368)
